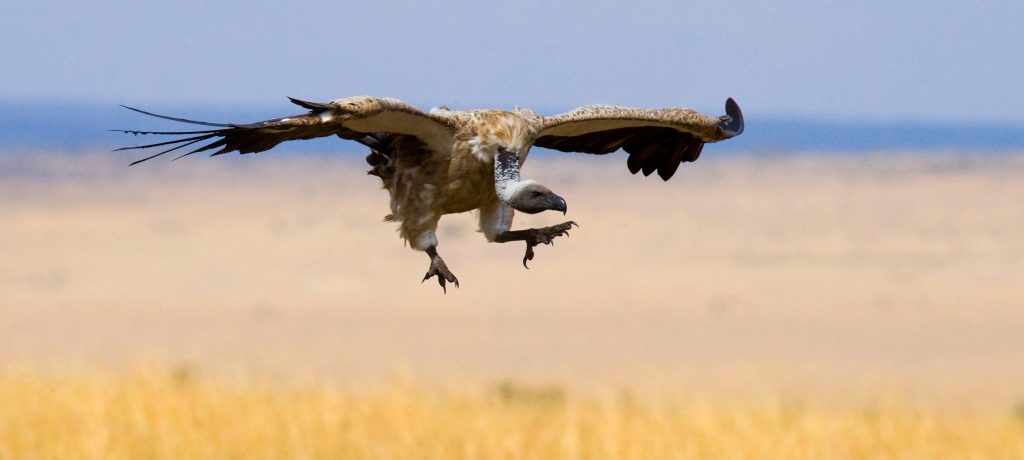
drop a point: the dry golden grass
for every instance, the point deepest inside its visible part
(172, 416)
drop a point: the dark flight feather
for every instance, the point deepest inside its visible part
(650, 148)
(170, 150)
(254, 137)
(158, 144)
(183, 120)
(314, 106)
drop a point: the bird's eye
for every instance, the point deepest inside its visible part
(536, 194)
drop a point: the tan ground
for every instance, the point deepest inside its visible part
(837, 277)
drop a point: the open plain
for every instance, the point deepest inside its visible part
(826, 306)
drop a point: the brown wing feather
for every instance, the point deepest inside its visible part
(655, 139)
(357, 118)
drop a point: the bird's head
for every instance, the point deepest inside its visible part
(531, 198)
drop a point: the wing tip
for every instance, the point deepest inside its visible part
(732, 122)
(182, 120)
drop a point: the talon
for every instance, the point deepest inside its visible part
(528, 256)
(537, 236)
(444, 275)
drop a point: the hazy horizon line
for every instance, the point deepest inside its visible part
(63, 124)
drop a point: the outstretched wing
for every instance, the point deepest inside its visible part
(363, 119)
(656, 139)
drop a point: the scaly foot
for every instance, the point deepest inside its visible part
(438, 267)
(545, 235)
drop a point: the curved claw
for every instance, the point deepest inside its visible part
(528, 256)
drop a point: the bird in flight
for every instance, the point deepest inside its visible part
(447, 161)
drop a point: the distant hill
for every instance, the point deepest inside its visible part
(62, 126)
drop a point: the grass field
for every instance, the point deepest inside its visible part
(179, 416)
(777, 306)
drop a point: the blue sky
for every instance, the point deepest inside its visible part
(866, 60)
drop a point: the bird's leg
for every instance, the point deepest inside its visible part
(438, 267)
(535, 236)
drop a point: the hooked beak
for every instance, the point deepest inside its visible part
(557, 203)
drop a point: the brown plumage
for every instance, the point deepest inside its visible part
(445, 162)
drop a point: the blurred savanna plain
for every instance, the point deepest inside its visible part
(757, 306)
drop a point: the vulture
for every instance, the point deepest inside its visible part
(446, 161)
